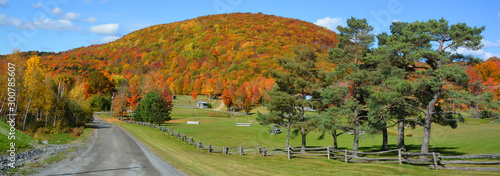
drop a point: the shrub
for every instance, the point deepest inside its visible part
(77, 131)
(41, 134)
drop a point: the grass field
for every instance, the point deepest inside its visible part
(22, 142)
(218, 129)
(25, 142)
(187, 101)
(215, 127)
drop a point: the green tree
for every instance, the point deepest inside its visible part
(283, 111)
(350, 55)
(144, 108)
(299, 78)
(421, 48)
(99, 102)
(98, 83)
(160, 111)
(330, 119)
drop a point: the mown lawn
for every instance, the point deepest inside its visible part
(218, 129)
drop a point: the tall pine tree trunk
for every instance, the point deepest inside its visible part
(384, 136)
(356, 122)
(356, 133)
(303, 131)
(401, 133)
(302, 128)
(288, 134)
(427, 124)
(334, 135)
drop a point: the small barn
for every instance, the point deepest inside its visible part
(202, 104)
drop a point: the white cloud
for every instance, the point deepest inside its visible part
(105, 29)
(479, 53)
(104, 40)
(9, 21)
(330, 23)
(109, 39)
(91, 20)
(37, 5)
(396, 20)
(4, 3)
(18, 23)
(40, 23)
(56, 25)
(70, 16)
(487, 43)
(57, 11)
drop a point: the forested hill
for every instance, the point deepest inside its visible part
(233, 48)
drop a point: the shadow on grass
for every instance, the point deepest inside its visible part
(414, 149)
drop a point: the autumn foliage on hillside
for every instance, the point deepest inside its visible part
(205, 55)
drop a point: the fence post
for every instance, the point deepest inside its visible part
(191, 141)
(258, 149)
(225, 150)
(241, 150)
(399, 156)
(328, 152)
(209, 148)
(345, 156)
(289, 153)
(434, 158)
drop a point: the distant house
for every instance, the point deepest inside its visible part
(202, 104)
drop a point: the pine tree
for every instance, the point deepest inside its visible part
(300, 77)
(421, 49)
(353, 65)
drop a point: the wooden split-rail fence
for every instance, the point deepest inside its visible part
(397, 156)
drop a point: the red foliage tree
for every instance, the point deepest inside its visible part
(227, 97)
(194, 94)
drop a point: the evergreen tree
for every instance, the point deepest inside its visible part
(299, 78)
(160, 111)
(421, 49)
(353, 70)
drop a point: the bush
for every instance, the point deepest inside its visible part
(41, 134)
(77, 131)
(100, 102)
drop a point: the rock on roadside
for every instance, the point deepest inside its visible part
(31, 155)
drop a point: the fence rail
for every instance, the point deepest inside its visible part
(434, 160)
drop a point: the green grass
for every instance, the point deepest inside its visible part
(472, 137)
(187, 100)
(466, 139)
(197, 162)
(22, 142)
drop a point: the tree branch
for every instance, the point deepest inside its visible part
(449, 45)
(414, 107)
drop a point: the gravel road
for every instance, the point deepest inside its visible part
(113, 151)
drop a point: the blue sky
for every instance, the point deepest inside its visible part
(60, 25)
